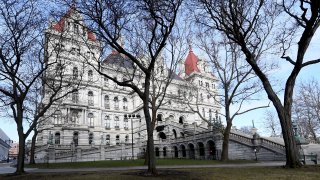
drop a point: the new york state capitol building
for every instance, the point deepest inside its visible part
(104, 121)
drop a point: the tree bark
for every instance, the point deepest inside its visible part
(225, 144)
(33, 147)
(20, 160)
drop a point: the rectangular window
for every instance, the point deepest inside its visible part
(76, 29)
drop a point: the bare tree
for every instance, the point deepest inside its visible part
(306, 109)
(271, 123)
(254, 26)
(147, 26)
(24, 66)
(236, 79)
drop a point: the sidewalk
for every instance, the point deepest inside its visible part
(8, 169)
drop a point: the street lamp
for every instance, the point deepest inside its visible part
(132, 116)
(255, 153)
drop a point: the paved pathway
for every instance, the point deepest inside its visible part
(5, 168)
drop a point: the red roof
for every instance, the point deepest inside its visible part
(59, 26)
(191, 63)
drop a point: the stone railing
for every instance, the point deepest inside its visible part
(271, 144)
(258, 142)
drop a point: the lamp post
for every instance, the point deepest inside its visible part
(255, 153)
(132, 116)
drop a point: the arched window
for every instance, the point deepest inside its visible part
(125, 104)
(75, 96)
(174, 133)
(180, 120)
(126, 138)
(116, 122)
(108, 139)
(90, 75)
(90, 118)
(57, 138)
(117, 139)
(90, 138)
(75, 72)
(107, 121)
(159, 117)
(90, 98)
(106, 102)
(116, 102)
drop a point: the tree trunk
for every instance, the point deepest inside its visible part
(150, 144)
(20, 160)
(33, 147)
(225, 144)
(292, 151)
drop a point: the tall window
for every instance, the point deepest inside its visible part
(75, 72)
(90, 75)
(90, 138)
(126, 138)
(107, 139)
(125, 104)
(106, 102)
(126, 124)
(76, 28)
(57, 138)
(90, 118)
(201, 97)
(107, 120)
(117, 139)
(90, 98)
(75, 96)
(210, 114)
(74, 117)
(203, 112)
(57, 117)
(116, 122)
(75, 138)
(116, 103)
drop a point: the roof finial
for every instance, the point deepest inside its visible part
(253, 124)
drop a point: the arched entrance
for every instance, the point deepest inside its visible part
(183, 151)
(157, 152)
(164, 152)
(191, 151)
(211, 150)
(201, 150)
(176, 152)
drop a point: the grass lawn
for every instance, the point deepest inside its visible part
(254, 173)
(126, 163)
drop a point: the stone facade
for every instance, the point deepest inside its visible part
(94, 115)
